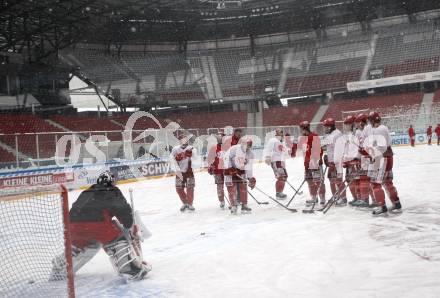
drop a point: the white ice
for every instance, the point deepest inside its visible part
(275, 253)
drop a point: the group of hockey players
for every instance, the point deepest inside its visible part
(412, 135)
(230, 163)
(359, 159)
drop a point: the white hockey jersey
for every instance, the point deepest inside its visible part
(180, 159)
(240, 158)
(378, 139)
(330, 143)
(275, 150)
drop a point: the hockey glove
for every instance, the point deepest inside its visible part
(179, 157)
(252, 182)
(210, 170)
(188, 153)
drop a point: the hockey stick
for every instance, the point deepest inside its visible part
(227, 199)
(139, 239)
(258, 202)
(294, 189)
(334, 198)
(296, 192)
(282, 205)
(312, 210)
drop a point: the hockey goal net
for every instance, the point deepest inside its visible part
(33, 234)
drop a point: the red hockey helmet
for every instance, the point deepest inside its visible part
(374, 116)
(361, 118)
(305, 125)
(329, 122)
(349, 119)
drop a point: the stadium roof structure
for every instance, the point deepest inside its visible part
(40, 28)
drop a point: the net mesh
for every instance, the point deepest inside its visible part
(31, 237)
(354, 113)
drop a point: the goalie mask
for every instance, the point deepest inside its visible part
(106, 178)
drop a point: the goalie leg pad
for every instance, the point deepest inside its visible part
(126, 259)
(80, 257)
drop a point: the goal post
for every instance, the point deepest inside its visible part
(34, 236)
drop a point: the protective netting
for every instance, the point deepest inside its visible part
(32, 236)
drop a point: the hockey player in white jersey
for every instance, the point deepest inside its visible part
(274, 156)
(332, 134)
(377, 146)
(180, 159)
(362, 179)
(239, 174)
(351, 160)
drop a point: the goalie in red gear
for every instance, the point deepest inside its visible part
(274, 156)
(92, 226)
(238, 174)
(216, 167)
(310, 144)
(181, 161)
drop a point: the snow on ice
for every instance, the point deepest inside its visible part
(275, 253)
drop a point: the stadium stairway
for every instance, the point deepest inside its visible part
(285, 72)
(425, 109)
(57, 125)
(214, 77)
(11, 151)
(320, 113)
(373, 43)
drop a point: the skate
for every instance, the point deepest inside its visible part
(183, 208)
(245, 209)
(322, 202)
(373, 205)
(396, 208)
(234, 210)
(280, 196)
(222, 204)
(380, 211)
(360, 203)
(139, 275)
(353, 202)
(190, 207)
(311, 202)
(341, 202)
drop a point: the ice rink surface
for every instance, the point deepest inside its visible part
(274, 253)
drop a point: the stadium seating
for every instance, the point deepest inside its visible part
(27, 144)
(291, 115)
(6, 157)
(383, 103)
(308, 65)
(210, 120)
(407, 49)
(88, 124)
